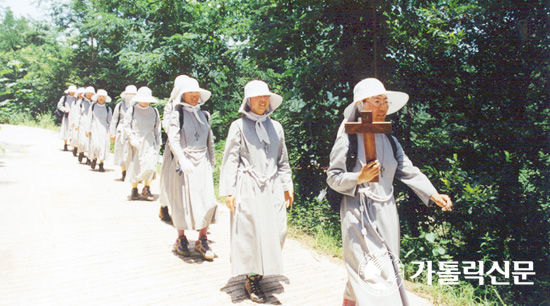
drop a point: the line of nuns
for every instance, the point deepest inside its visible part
(255, 176)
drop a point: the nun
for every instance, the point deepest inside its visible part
(97, 129)
(64, 106)
(368, 212)
(142, 129)
(83, 141)
(168, 164)
(256, 180)
(73, 119)
(191, 186)
(116, 129)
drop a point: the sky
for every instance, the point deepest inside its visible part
(27, 8)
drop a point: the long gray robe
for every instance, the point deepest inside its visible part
(74, 118)
(83, 141)
(383, 214)
(191, 196)
(98, 126)
(257, 174)
(64, 105)
(116, 128)
(168, 163)
(143, 131)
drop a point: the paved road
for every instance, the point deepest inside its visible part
(70, 236)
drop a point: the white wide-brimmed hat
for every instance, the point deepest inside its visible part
(372, 87)
(130, 90)
(89, 89)
(80, 90)
(144, 95)
(102, 92)
(259, 88)
(71, 88)
(192, 85)
(177, 85)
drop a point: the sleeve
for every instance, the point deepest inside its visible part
(88, 122)
(168, 108)
(60, 105)
(128, 126)
(211, 148)
(116, 115)
(411, 176)
(231, 159)
(109, 116)
(158, 138)
(284, 171)
(338, 178)
(174, 137)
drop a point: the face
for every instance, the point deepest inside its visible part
(378, 105)
(101, 99)
(259, 104)
(192, 97)
(80, 95)
(143, 104)
(72, 93)
(129, 97)
(88, 95)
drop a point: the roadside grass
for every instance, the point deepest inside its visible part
(44, 120)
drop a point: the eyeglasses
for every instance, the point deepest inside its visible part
(378, 103)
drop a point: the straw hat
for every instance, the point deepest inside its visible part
(71, 88)
(259, 88)
(144, 95)
(89, 89)
(189, 84)
(130, 90)
(372, 87)
(102, 92)
(177, 84)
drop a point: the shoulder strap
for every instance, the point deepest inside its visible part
(179, 108)
(393, 145)
(118, 117)
(207, 115)
(156, 116)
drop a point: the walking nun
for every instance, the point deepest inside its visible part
(191, 189)
(83, 141)
(116, 129)
(74, 116)
(142, 128)
(97, 129)
(168, 163)
(368, 212)
(257, 182)
(64, 106)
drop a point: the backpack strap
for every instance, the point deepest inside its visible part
(118, 117)
(393, 145)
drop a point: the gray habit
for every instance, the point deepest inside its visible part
(191, 195)
(257, 174)
(116, 129)
(143, 131)
(168, 163)
(83, 141)
(381, 207)
(98, 127)
(65, 108)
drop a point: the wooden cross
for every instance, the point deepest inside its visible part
(368, 128)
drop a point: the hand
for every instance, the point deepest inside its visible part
(186, 166)
(76, 128)
(230, 202)
(112, 138)
(134, 143)
(443, 201)
(87, 134)
(369, 171)
(289, 198)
